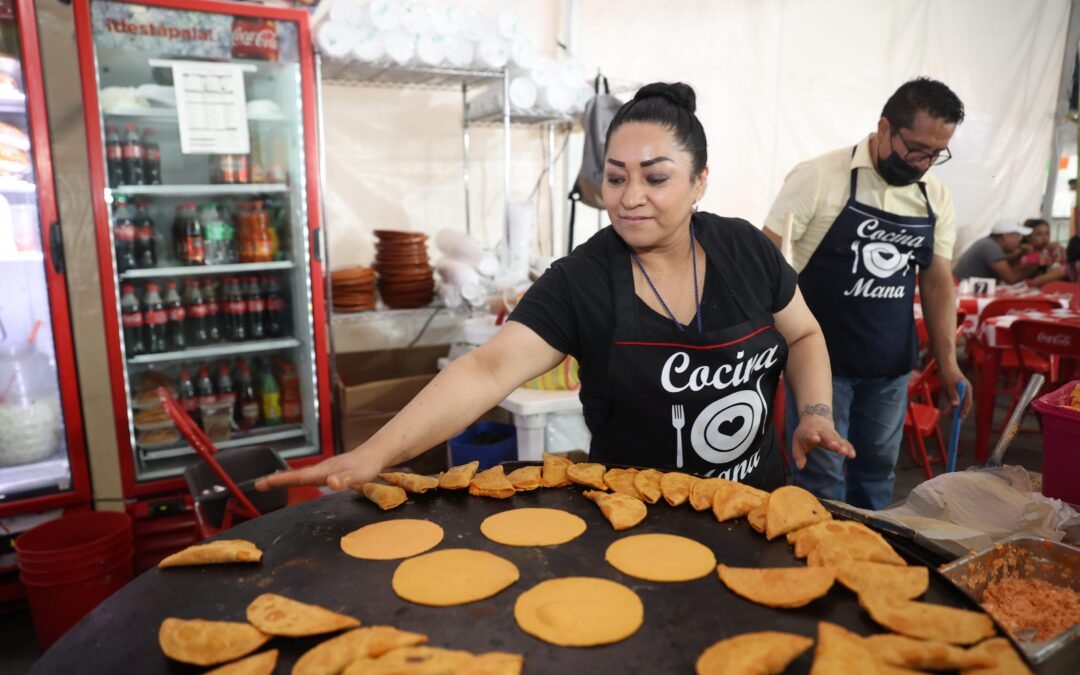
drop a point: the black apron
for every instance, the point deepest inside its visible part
(724, 380)
(860, 284)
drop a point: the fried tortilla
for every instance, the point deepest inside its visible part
(554, 473)
(863, 576)
(412, 483)
(385, 496)
(579, 611)
(258, 664)
(525, 479)
(492, 483)
(452, 576)
(588, 474)
(332, 656)
(277, 615)
(647, 483)
(758, 518)
(905, 652)
(927, 622)
(840, 652)
(458, 477)
(622, 482)
(392, 539)
(702, 491)
(833, 551)
(493, 663)
(736, 500)
(1006, 660)
(412, 661)
(675, 486)
(778, 586)
(621, 511)
(792, 508)
(220, 552)
(208, 643)
(764, 653)
(806, 539)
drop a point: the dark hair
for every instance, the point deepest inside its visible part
(925, 94)
(1072, 252)
(1035, 222)
(671, 106)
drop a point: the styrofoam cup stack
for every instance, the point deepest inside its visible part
(349, 12)
(571, 73)
(335, 40)
(460, 246)
(493, 53)
(558, 98)
(522, 53)
(385, 14)
(400, 46)
(431, 49)
(369, 45)
(474, 25)
(443, 19)
(581, 98)
(415, 17)
(460, 52)
(522, 93)
(509, 24)
(543, 71)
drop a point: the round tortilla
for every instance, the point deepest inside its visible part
(661, 557)
(532, 527)
(579, 611)
(452, 576)
(392, 539)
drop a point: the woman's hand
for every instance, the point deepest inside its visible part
(352, 468)
(815, 431)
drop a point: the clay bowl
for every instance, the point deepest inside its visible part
(353, 274)
(398, 236)
(406, 288)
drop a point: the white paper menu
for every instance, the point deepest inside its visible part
(211, 107)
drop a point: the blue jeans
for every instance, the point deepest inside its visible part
(869, 412)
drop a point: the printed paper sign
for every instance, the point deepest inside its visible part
(211, 107)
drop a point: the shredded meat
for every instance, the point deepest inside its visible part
(1025, 604)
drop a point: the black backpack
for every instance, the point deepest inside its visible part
(599, 112)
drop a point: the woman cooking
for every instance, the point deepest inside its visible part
(682, 322)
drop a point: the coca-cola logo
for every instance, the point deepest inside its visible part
(1059, 340)
(265, 37)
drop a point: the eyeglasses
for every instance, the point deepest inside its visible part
(918, 156)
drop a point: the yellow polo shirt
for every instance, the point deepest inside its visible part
(817, 190)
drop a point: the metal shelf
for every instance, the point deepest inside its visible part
(199, 270)
(524, 118)
(263, 435)
(55, 471)
(366, 74)
(215, 351)
(197, 190)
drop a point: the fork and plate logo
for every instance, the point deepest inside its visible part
(726, 428)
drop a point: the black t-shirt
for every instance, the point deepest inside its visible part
(572, 307)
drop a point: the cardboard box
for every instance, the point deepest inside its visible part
(366, 407)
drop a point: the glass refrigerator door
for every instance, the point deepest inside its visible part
(206, 171)
(42, 459)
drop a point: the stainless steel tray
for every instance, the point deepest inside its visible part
(1031, 558)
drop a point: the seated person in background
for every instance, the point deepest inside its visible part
(1067, 271)
(989, 257)
(1039, 249)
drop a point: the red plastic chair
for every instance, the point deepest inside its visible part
(1070, 287)
(922, 420)
(1050, 338)
(1010, 360)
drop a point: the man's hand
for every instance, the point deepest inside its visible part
(816, 430)
(950, 377)
(353, 468)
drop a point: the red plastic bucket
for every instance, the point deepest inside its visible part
(69, 565)
(1061, 444)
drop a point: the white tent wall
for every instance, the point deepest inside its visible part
(778, 82)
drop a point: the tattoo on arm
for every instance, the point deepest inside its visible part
(817, 409)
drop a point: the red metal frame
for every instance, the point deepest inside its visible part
(96, 155)
(57, 285)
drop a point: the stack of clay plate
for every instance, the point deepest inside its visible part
(353, 289)
(405, 274)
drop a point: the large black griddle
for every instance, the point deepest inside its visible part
(302, 560)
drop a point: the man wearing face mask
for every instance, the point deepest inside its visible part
(867, 219)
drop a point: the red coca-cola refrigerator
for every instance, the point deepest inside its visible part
(201, 135)
(43, 464)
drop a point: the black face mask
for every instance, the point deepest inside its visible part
(897, 172)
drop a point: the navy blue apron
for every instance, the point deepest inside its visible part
(860, 284)
(724, 380)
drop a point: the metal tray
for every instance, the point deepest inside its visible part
(1036, 558)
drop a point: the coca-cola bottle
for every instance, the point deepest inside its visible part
(213, 311)
(204, 387)
(256, 309)
(145, 244)
(186, 391)
(235, 312)
(132, 152)
(151, 159)
(132, 320)
(124, 234)
(155, 319)
(192, 250)
(247, 404)
(275, 307)
(223, 385)
(114, 156)
(198, 333)
(174, 307)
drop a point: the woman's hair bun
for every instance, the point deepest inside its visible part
(679, 93)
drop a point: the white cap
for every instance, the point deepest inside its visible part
(1008, 226)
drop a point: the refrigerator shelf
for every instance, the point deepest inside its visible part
(10, 186)
(214, 351)
(15, 106)
(202, 270)
(264, 435)
(22, 256)
(15, 479)
(197, 190)
(168, 115)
